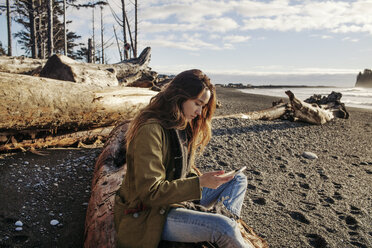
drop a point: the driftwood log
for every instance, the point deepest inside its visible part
(20, 65)
(63, 68)
(269, 114)
(33, 108)
(109, 172)
(314, 110)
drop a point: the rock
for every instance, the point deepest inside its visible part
(19, 223)
(309, 155)
(19, 229)
(142, 84)
(61, 67)
(54, 222)
(364, 79)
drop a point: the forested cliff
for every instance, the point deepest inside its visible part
(364, 79)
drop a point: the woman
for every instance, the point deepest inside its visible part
(162, 142)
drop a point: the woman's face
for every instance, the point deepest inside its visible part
(193, 107)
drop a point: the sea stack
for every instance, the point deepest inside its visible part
(364, 79)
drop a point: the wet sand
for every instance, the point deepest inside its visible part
(291, 201)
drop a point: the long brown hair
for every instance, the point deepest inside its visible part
(166, 108)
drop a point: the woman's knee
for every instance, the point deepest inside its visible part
(227, 231)
(241, 179)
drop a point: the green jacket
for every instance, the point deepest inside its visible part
(149, 181)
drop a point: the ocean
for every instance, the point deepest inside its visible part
(352, 97)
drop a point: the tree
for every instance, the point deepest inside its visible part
(124, 24)
(2, 50)
(9, 22)
(32, 15)
(93, 6)
(8, 9)
(50, 28)
(135, 28)
(64, 29)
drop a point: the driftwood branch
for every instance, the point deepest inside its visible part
(315, 110)
(95, 136)
(272, 113)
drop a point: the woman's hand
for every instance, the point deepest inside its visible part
(212, 180)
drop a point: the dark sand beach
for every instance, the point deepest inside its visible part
(291, 201)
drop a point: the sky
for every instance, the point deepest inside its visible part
(243, 41)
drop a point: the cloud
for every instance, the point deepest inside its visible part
(278, 15)
(184, 42)
(350, 39)
(219, 25)
(236, 38)
(281, 70)
(337, 17)
(190, 11)
(324, 37)
(149, 27)
(261, 9)
(223, 23)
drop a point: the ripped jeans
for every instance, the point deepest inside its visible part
(185, 225)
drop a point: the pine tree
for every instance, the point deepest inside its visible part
(32, 15)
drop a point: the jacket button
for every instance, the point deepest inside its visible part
(135, 215)
(162, 211)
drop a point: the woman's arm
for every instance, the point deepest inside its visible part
(150, 172)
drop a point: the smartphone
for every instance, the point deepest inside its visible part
(234, 172)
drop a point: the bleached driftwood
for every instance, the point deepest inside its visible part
(39, 103)
(109, 172)
(33, 107)
(314, 110)
(272, 113)
(63, 68)
(95, 136)
(20, 65)
(307, 112)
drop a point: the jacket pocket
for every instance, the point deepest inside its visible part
(131, 229)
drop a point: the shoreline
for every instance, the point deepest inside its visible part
(345, 99)
(272, 86)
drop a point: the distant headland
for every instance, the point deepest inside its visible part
(364, 79)
(250, 86)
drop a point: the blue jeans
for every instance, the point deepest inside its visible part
(185, 225)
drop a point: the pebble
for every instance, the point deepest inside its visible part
(309, 155)
(19, 229)
(54, 222)
(19, 223)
